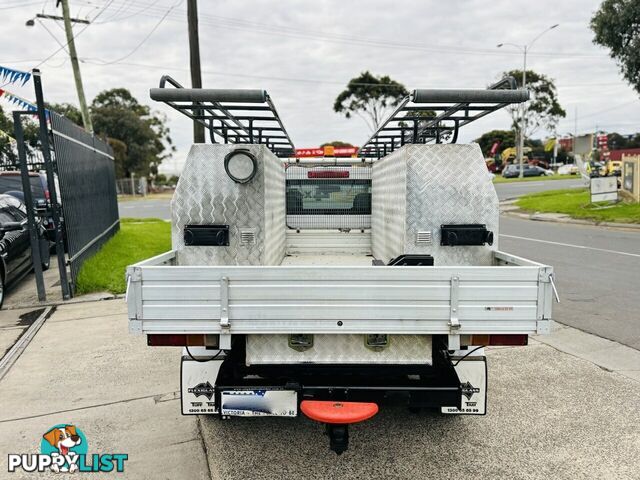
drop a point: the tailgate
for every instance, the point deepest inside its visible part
(512, 297)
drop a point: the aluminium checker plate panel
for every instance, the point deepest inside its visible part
(339, 349)
(206, 195)
(418, 188)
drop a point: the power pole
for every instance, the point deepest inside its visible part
(86, 118)
(194, 58)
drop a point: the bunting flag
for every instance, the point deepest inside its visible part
(9, 75)
(16, 100)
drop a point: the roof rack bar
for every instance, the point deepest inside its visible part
(450, 109)
(213, 108)
(212, 95)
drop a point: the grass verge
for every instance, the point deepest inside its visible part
(501, 179)
(576, 203)
(138, 239)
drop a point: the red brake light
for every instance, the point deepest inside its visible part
(46, 195)
(181, 340)
(328, 174)
(503, 340)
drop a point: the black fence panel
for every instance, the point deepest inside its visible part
(87, 182)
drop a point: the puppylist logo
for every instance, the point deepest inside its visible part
(64, 448)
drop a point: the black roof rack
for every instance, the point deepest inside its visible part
(230, 115)
(436, 115)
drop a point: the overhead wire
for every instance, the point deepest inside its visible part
(149, 9)
(137, 47)
(75, 35)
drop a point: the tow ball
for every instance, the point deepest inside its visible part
(337, 416)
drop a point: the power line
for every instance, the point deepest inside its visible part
(296, 32)
(135, 49)
(76, 35)
(20, 4)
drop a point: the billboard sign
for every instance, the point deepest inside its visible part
(326, 151)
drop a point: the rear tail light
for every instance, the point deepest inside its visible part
(181, 340)
(499, 340)
(47, 195)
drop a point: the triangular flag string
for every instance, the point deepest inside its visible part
(10, 75)
(21, 102)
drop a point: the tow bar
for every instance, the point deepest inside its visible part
(337, 416)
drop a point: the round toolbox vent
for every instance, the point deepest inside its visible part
(240, 165)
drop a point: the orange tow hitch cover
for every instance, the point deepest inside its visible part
(337, 412)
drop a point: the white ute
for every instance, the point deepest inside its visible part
(321, 286)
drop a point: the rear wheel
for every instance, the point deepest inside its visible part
(1, 287)
(45, 254)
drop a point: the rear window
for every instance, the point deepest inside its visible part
(329, 197)
(14, 183)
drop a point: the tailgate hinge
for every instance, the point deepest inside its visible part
(454, 321)
(225, 325)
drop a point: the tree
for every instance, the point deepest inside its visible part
(543, 108)
(615, 141)
(67, 110)
(117, 115)
(336, 143)
(370, 97)
(8, 149)
(617, 26)
(7, 142)
(506, 139)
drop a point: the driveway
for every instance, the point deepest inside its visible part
(551, 414)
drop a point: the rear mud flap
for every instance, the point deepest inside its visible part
(472, 372)
(197, 386)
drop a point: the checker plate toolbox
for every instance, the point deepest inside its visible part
(397, 292)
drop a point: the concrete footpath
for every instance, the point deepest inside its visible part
(564, 407)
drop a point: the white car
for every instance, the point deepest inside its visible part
(568, 169)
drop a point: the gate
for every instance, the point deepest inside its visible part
(82, 201)
(86, 174)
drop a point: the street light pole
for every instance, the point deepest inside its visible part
(523, 120)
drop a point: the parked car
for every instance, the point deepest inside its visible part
(513, 171)
(11, 184)
(15, 246)
(597, 169)
(614, 167)
(568, 169)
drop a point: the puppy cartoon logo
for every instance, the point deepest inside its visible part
(64, 438)
(64, 448)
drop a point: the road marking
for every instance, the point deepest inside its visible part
(573, 246)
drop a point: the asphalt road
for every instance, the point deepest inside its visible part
(146, 209)
(597, 271)
(508, 191)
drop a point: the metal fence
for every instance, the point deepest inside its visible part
(87, 182)
(132, 186)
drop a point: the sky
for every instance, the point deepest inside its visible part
(304, 53)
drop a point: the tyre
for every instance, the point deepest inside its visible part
(1, 287)
(45, 254)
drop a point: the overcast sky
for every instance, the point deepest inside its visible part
(304, 52)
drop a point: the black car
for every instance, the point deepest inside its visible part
(15, 246)
(11, 184)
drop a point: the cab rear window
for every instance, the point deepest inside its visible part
(329, 197)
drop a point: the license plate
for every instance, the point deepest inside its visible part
(259, 403)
